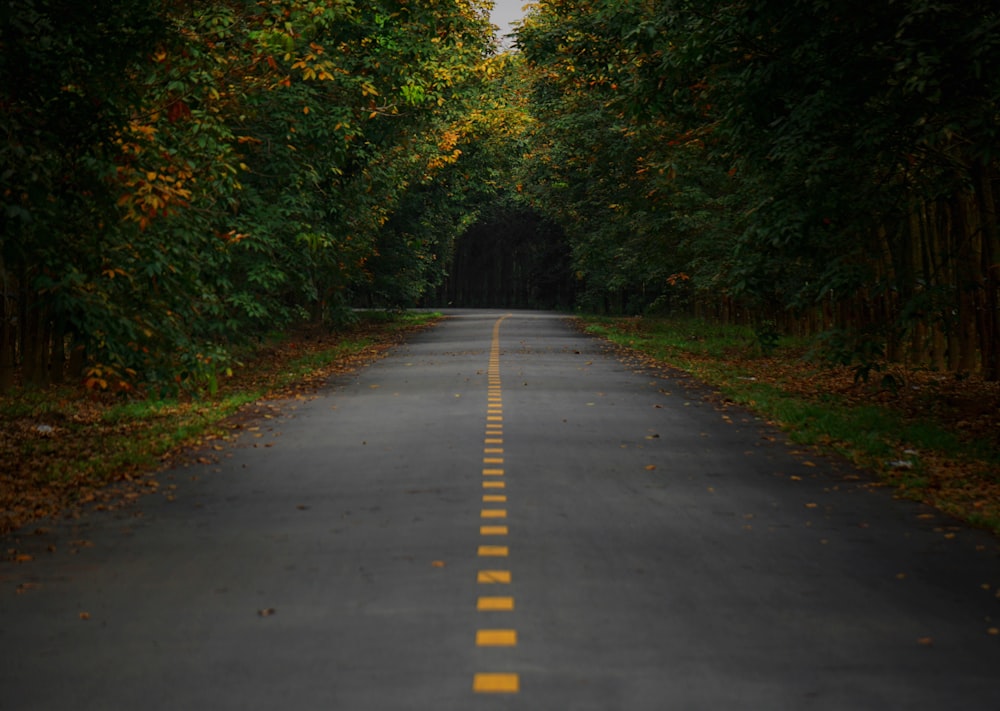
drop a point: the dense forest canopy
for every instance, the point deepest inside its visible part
(179, 176)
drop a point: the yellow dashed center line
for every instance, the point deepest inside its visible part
(496, 638)
(494, 682)
(493, 531)
(493, 577)
(493, 551)
(495, 604)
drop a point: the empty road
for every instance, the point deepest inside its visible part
(503, 514)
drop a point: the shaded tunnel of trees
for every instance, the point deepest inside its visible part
(247, 167)
(512, 258)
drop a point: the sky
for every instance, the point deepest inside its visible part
(505, 12)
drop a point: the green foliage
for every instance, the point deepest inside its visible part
(806, 158)
(179, 178)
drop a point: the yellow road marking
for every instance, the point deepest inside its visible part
(495, 604)
(493, 530)
(496, 638)
(489, 577)
(493, 551)
(496, 684)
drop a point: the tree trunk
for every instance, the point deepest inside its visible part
(965, 238)
(8, 330)
(989, 331)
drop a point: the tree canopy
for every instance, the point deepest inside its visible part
(180, 177)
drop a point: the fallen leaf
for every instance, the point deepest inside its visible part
(84, 615)
(925, 641)
(650, 467)
(437, 563)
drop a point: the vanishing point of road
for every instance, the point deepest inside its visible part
(502, 513)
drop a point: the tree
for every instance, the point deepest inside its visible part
(241, 164)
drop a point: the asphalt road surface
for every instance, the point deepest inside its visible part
(503, 514)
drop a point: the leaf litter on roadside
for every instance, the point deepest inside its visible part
(64, 450)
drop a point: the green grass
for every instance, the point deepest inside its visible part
(138, 433)
(724, 358)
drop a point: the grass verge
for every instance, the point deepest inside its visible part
(61, 448)
(935, 438)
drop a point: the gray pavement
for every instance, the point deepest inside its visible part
(657, 551)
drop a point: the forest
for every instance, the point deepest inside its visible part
(180, 178)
